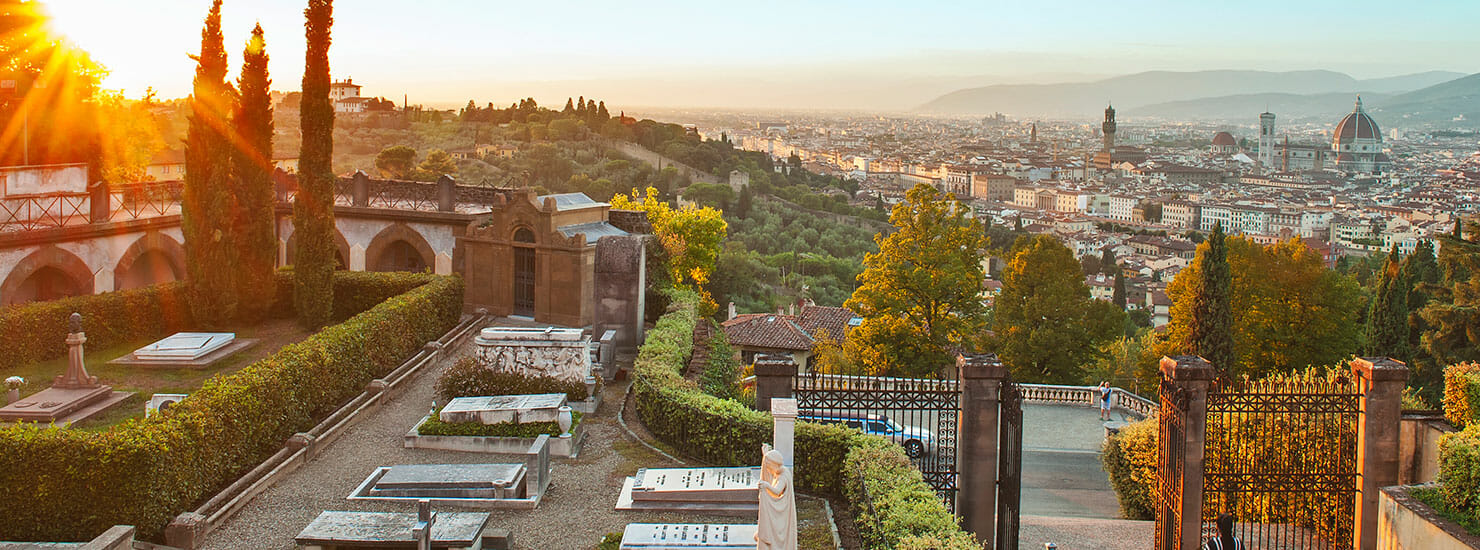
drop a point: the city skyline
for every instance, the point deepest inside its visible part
(768, 55)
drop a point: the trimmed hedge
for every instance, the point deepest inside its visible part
(37, 331)
(725, 433)
(435, 426)
(466, 378)
(1462, 394)
(68, 485)
(1129, 458)
(1459, 471)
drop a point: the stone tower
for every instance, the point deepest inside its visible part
(1266, 141)
(1109, 129)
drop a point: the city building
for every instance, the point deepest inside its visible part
(346, 97)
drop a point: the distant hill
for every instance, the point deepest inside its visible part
(1435, 104)
(1247, 107)
(1134, 92)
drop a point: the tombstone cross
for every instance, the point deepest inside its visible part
(422, 530)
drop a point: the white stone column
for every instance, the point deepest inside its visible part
(784, 410)
(103, 281)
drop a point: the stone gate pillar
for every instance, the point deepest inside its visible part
(446, 194)
(1190, 377)
(359, 189)
(981, 399)
(1380, 381)
(773, 374)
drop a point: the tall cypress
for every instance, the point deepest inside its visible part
(313, 209)
(1211, 326)
(1119, 294)
(206, 219)
(252, 165)
(1387, 318)
(601, 113)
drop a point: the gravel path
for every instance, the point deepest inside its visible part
(1084, 533)
(575, 513)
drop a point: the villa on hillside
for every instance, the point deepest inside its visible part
(795, 335)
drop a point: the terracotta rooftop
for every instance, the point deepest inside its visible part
(788, 332)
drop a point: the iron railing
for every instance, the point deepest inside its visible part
(125, 202)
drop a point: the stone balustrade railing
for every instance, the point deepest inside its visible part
(1037, 393)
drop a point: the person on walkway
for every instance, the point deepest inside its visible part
(1225, 539)
(1104, 392)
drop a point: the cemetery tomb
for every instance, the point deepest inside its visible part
(73, 396)
(559, 353)
(699, 490)
(186, 349)
(356, 530)
(544, 407)
(443, 481)
(676, 536)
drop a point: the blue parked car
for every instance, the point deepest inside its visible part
(916, 441)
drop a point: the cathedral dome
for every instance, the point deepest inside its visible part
(1224, 138)
(1356, 126)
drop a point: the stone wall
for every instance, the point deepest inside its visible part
(631, 221)
(1404, 523)
(1418, 447)
(620, 281)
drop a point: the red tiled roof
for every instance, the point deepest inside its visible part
(788, 332)
(834, 320)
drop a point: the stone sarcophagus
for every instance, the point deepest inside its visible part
(561, 353)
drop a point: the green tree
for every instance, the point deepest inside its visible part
(209, 201)
(569, 108)
(717, 195)
(1118, 298)
(1210, 317)
(920, 294)
(395, 161)
(256, 234)
(1108, 263)
(1421, 272)
(1453, 311)
(313, 207)
(437, 164)
(1047, 326)
(743, 204)
(601, 113)
(1387, 317)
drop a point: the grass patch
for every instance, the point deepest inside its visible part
(1431, 497)
(813, 530)
(435, 426)
(272, 334)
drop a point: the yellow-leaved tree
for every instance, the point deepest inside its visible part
(691, 236)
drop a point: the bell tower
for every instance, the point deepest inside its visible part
(1266, 141)
(1109, 129)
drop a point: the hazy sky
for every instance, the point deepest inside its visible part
(837, 54)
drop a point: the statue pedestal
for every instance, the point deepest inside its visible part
(73, 396)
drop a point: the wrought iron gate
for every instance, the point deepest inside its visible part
(1171, 450)
(1281, 457)
(524, 270)
(919, 414)
(1009, 466)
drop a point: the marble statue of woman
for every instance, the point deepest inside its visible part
(777, 522)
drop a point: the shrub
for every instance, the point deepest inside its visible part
(38, 331)
(612, 541)
(1459, 471)
(1129, 458)
(435, 426)
(892, 505)
(720, 373)
(70, 484)
(1462, 394)
(467, 378)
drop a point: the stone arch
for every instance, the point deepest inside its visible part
(46, 274)
(523, 234)
(398, 247)
(153, 258)
(341, 249)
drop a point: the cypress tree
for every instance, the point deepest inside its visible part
(1211, 325)
(206, 219)
(313, 209)
(569, 108)
(1107, 261)
(1387, 318)
(604, 115)
(581, 106)
(1119, 297)
(252, 166)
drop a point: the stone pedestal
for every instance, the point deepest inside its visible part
(783, 439)
(1381, 382)
(773, 374)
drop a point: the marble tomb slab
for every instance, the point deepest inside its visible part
(677, 536)
(542, 407)
(696, 490)
(450, 481)
(186, 350)
(453, 530)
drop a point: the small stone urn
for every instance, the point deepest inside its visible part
(13, 389)
(565, 420)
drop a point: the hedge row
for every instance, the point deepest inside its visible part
(1462, 394)
(1459, 471)
(725, 433)
(37, 331)
(1129, 458)
(66, 485)
(893, 507)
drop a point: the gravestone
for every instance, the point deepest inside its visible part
(186, 350)
(541, 407)
(677, 536)
(357, 530)
(74, 395)
(698, 490)
(481, 481)
(563, 354)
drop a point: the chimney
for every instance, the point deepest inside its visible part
(731, 312)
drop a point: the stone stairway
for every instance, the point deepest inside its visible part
(703, 331)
